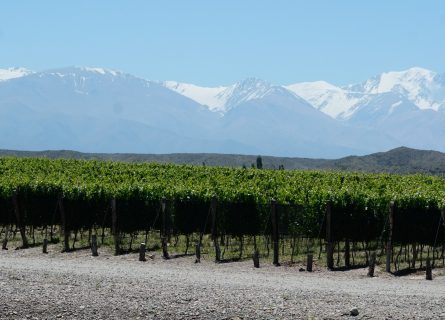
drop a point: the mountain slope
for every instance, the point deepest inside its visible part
(328, 98)
(278, 121)
(282, 123)
(204, 95)
(97, 109)
(222, 99)
(105, 94)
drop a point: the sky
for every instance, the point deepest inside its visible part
(221, 42)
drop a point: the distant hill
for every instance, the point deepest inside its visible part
(400, 160)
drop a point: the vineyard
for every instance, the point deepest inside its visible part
(292, 212)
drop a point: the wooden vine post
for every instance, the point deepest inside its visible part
(329, 242)
(371, 267)
(275, 232)
(347, 253)
(165, 254)
(309, 262)
(198, 252)
(429, 271)
(19, 218)
(114, 226)
(389, 240)
(256, 258)
(142, 252)
(64, 229)
(45, 246)
(94, 245)
(215, 230)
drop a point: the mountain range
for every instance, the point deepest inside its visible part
(101, 110)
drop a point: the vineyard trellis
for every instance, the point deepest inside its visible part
(367, 212)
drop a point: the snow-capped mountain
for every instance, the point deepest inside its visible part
(282, 122)
(253, 106)
(251, 89)
(221, 99)
(424, 88)
(208, 96)
(99, 109)
(103, 93)
(12, 73)
(326, 97)
(406, 105)
(103, 110)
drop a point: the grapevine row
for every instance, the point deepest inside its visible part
(359, 201)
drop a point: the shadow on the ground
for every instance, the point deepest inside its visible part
(181, 255)
(353, 267)
(77, 249)
(408, 271)
(30, 245)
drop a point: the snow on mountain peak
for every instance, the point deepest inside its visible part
(223, 98)
(75, 71)
(252, 89)
(420, 85)
(102, 71)
(328, 98)
(204, 95)
(423, 87)
(411, 79)
(252, 83)
(12, 73)
(315, 85)
(245, 90)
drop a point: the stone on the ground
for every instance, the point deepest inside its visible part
(353, 312)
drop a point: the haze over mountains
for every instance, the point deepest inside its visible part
(100, 110)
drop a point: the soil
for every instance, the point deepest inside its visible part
(76, 285)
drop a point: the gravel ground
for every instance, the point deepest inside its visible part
(77, 286)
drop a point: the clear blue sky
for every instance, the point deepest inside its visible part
(220, 42)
